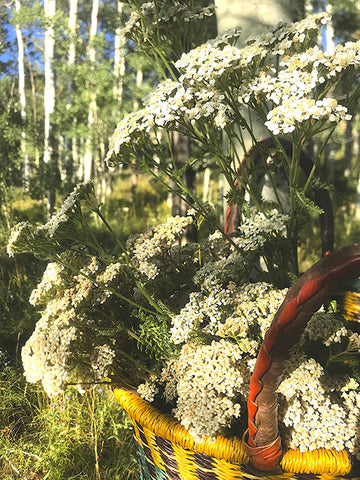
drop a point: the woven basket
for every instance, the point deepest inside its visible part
(168, 451)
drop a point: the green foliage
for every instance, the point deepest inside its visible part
(10, 132)
(154, 33)
(345, 15)
(18, 317)
(72, 436)
(154, 336)
(26, 208)
(30, 14)
(18, 276)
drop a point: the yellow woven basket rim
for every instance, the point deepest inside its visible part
(320, 461)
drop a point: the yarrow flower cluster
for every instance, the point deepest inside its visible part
(207, 64)
(321, 409)
(65, 224)
(69, 209)
(148, 247)
(149, 389)
(320, 416)
(59, 337)
(168, 104)
(256, 305)
(281, 37)
(19, 235)
(208, 381)
(256, 229)
(285, 117)
(229, 311)
(325, 327)
(218, 78)
(207, 306)
(50, 280)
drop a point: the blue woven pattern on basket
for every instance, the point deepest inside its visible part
(148, 469)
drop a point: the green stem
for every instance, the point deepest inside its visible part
(139, 285)
(293, 186)
(137, 364)
(323, 146)
(110, 289)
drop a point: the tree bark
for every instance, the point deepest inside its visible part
(134, 173)
(119, 58)
(35, 116)
(89, 150)
(49, 106)
(206, 196)
(253, 17)
(348, 149)
(21, 73)
(71, 149)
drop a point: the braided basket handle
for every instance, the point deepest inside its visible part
(322, 197)
(303, 299)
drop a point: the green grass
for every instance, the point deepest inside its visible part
(148, 208)
(69, 437)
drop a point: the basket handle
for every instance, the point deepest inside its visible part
(304, 298)
(322, 197)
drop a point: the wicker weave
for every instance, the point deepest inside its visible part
(168, 452)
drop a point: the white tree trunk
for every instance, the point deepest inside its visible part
(72, 25)
(25, 156)
(138, 83)
(134, 173)
(49, 90)
(329, 35)
(49, 106)
(119, 58)
(88, 157)
(253, 17)
(206, 196)
(34, 113)
(71, 144)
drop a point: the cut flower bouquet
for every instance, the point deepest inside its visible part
(183, 324)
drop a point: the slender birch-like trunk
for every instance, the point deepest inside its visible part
(328, 41)
(138, 83)
(119, 58)
(134, 172)
(49, 105)
(253, 18)
(34, 112)
(71, 147)
(72, 25)
(92, 116)
(119, 72)
(21, 72)
(206, 196)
